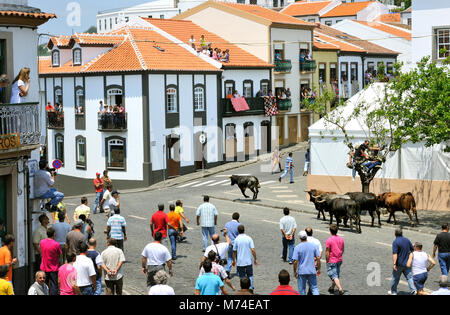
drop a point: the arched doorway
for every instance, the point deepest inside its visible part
(173, 155)
(230, 142)
(200, 150)
(249, 139)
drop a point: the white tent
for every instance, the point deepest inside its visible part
(329, 154)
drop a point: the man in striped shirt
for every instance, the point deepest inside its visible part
(116, 228)
(207, 218)
(288, 168)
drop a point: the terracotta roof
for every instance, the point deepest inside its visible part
(347, 9)
(39, 15)
(391, 17)
(183, 29)
(302, 8)
(97, 39)
(335, 42)
(348, 39)
(141, 49)
(320, 42)
(388, 29)
(268, 14)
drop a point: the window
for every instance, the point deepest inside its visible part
(247, 91)
(127, 19)
(333, 72)
(265, 87)
(344, 71)
(99, 25)
(55, 58)
(171, 99)
(275, 3)
(229, 89)
(80, 152)
(110, 23)
(105, 24)
(116, 153)
(114, 96)
(443, 42)
(58, 95)
(371, 67)
(161, 16)
(409, 21)
(322, 73)
(311, 20)
(253, 2)
(59, 147)
(354, 71)
(79, 101)
(199, 99)
(116, 20)
(77, 57)
(390, 68)
(328, 23)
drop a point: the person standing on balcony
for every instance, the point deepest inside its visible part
(20, 86)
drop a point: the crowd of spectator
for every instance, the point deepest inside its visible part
(205, 48)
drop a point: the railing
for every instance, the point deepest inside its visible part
(112, 121)
(285, 104)
(21, 120)
(308, 66)
(283, 66)
(55, 120)
(256, 105)
(80, 121)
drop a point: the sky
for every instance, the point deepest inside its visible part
(76, 15)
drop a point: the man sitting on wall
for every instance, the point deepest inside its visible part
(43, 183)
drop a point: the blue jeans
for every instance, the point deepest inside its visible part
(312, 283)
(230, 257)
(444, 263)
(334, 270)
(89, 290)
(291, 171)
(98, 199)
(173, 241)
(246, 271)
(419, 280)
(205, 231)
(407, 272)
(371, 164)
(54, 195)
(99, 287)
(288, 244)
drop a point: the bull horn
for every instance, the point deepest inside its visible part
(230, 176)
(315, 196)
(320, 201)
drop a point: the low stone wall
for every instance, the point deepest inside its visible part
(428, 194)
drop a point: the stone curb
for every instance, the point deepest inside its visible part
(215, 170)
(388, 225)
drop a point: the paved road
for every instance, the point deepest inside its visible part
(367, 259)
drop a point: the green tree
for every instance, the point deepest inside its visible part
(43, 50)
(412, 107)
(92, 29)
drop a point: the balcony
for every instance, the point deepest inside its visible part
(283, 66)
(284, 105)
(80, 121)
(112, 122)
(55, 120)
(19, 126)
(308, 66)
(256, 105)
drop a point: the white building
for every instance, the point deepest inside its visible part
(386, 35)
(362, 11)
(20, 134)
(430, 29)
(407, 16)
(171, 95)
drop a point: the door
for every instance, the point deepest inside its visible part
(304, 123)
(280, 124)
(199, 151)
(249, 139)
(293, 129)
(266, 137)
(230, 142)
(173, 156)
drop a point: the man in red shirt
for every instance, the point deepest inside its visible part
(98, 185)
(51, 252)
(284, 288)
(159, 223)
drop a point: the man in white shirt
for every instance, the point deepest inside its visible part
(43, 183)
(39, 287)
(221, 249)
(288, 226)
(154, 258)
(104, 204)
(310, 238)
(113, 259)
(114, 202)
(443, 287)
(86, 274)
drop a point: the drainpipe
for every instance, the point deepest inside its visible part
(362, 72)
(28, 219)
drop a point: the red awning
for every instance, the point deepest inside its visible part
(239, 104)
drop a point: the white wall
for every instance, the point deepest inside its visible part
(335, 20)
(426, 15)
(240, 75)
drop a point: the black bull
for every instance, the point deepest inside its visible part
(368, 202)
(244, 182)
(342, 207)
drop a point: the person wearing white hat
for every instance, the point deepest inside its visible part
(305, 256)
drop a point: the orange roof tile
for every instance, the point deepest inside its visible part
(140, 49)
(391, 17)
(183, 29)
(388, 29)
(268, 14)
(39, 15)
(334, 41)
(347, 9)
(305, 8)
(320, 42)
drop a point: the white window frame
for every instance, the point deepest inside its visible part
(199, 99)
(247, 91)
(442, 45)
(80, 141)
(77, 56)
(59, 139)
(111, 93)
(58, 95)
(171, 99)
(56, 60)
(111, 143)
